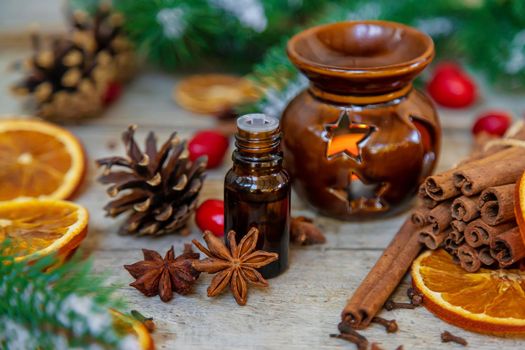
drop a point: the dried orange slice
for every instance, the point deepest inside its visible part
(488, 301)
(38, 159)
(213, 93)
(128, 325)
(40, 227)
(519, 204)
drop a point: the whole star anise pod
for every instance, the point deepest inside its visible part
(235, 266)
(164, 276)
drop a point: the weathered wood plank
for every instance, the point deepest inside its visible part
(298, 311)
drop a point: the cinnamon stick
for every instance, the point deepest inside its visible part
(419, 216)
(497, 204)
(440, 187)
(468, 258)
(450, 183)
(508, 247)
(485, 257)
(465, 208)
(427, 201)
(450, 245)
(456, 236)
(501, 168)
(458, 225)
(440, 217)
(383, 278)
(479, 232)
(432, 240)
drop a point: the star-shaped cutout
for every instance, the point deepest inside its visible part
(345, 136)
(360, 195)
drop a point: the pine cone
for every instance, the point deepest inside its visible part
(67, 77)
(102, 36)
(59, 80)
(162, 185)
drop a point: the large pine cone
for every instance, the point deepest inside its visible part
(160, 187)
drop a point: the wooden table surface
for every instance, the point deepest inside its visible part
(302, 306)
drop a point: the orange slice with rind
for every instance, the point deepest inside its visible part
(39, 159)
(128, 325)
(40, 227)
(213, 94)
(487, 301)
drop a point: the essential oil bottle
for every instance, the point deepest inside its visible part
(257, 189)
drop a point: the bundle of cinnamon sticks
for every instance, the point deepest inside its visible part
(468, 210)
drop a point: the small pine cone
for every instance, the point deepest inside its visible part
(72, 106)
(101, 35)
(59, 81)
(160, 187)
(66, 79)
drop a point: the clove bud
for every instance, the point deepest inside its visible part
(345, 327)
(361, 344)
(351, 335)
(392, 305)
(303, 231)
(415, 297)
(390, 325)
(446, 337)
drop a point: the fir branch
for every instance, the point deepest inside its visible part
(487, 35)
(178, 33)
(58, 307)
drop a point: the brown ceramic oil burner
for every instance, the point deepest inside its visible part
(360, 138)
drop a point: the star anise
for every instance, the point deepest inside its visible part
(157, 276)
(303, 231)
(235, 266)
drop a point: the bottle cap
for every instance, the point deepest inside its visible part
(257, 122)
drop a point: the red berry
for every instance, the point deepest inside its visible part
(112, 93)
(492, 122)
(451, 87)
(209, 143)
(210, 216)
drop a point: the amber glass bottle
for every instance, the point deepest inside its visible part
(257, 188)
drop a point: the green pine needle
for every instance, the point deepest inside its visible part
(56, 308)
(181, 33)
